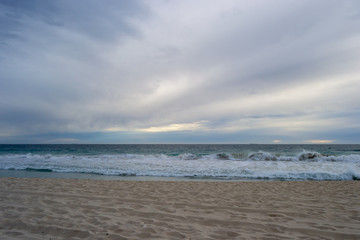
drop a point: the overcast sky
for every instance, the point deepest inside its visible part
(282, 71)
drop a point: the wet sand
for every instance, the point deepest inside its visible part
(99, 209)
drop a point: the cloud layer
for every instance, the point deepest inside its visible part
(180, 71)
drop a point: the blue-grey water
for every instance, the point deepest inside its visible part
(182, 161)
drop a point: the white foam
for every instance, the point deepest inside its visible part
(257, 165)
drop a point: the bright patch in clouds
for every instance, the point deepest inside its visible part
(198, 126)
(320, 141)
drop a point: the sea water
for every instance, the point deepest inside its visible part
(182, 161)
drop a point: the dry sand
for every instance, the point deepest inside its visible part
(93, 209)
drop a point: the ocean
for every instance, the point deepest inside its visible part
(235, 162)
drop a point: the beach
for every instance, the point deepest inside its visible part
(34, 208)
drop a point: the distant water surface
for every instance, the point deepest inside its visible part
(182, 161)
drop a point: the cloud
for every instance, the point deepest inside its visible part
(320, 141)
(233, 68)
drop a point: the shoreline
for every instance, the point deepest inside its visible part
(94, 176)
(45, 208)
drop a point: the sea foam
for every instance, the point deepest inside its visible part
(256, 165)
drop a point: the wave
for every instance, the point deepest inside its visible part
(262, 156)
(309, 155)
(304, 165)
(38, 169)
(259, 155)
(254, 156)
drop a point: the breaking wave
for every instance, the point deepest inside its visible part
(304, 165)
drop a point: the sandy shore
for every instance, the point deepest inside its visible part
(93, 209)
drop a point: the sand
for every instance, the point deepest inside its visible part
(98, 209)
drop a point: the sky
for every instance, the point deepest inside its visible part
(166, 71)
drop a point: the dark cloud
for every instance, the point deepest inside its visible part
(104, 20)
